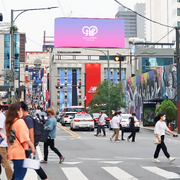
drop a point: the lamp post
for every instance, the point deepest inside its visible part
(12, 57)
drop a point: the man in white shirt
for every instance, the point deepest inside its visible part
(3, 147)
(121, 128)
(101, 124)
(115, 125)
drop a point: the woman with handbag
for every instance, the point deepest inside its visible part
(20, 141)
(159, 131)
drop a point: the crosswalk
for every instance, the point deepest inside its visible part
(116, 173)
(113, 169)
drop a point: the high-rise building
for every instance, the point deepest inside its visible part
(134, 24)
(165, 12)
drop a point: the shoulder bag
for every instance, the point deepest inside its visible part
(156, 141)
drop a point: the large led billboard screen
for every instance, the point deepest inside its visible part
(84, 32)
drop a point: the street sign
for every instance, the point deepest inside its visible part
(38, 80)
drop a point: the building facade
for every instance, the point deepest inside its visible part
(91, 62)
(134, 24)
(19, 57)
(165, 12)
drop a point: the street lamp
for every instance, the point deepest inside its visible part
(13, 91)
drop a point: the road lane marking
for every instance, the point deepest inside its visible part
(68, 131)
(73, 173)
(72, 163)
(111, 162)
(162, 172)
(119, 173)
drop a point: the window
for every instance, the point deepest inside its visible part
(178, 11)
(178, 23)
(178, 0)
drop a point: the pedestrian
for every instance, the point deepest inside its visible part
(16, 151)
(43, 119)
(121, 127)
(159, 131)
(101, 124)
(37, 117)
(132, 128)
(30, 124)
(116, 127)
(51, 125)
(3, 147)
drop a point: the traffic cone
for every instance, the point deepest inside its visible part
(169, 126)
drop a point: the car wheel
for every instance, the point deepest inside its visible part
(92, 129)
(137, 130)
(71, 128)
(63, 124)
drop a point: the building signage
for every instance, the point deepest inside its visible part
(93, 77)
(84, 32)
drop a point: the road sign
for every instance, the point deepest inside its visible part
(38, 80)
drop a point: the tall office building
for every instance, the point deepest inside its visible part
(165, 12)
(134, 24)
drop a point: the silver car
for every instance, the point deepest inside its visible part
(82, 121)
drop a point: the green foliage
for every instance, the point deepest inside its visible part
(108, 101)
(168, 107)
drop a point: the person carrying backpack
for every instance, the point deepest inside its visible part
(31, 123)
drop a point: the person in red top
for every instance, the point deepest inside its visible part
(16, 152)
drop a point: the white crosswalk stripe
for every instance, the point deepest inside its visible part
(119, 173)
(73, 173)
(162, 172)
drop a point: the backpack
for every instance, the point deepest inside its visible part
(38, 130)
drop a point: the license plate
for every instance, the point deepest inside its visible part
(83, 125)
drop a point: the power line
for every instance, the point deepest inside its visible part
(144, 16)
(165, 35)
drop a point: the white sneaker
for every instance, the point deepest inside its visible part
(171, 159)
(156, 160)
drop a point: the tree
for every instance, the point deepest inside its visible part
(168, 107)
(103, 100)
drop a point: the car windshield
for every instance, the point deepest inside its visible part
(42, 113)
(126, 116)
(69, 114)
(83, 116)
(95, 115)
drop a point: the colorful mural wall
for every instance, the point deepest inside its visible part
(154, 85)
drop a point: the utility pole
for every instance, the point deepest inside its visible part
(178, 78)
(85, 91)
(12, 84)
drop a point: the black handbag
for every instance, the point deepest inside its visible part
(44, 136)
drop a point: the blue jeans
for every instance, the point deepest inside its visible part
(19, 171)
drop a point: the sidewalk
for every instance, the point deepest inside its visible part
(151, 128)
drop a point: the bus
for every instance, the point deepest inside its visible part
(75, 109)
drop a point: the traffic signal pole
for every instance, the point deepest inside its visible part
(85, 91)
(120, 70)
(178, 79)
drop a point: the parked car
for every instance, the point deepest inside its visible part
(59, 116)
(95, 117)
(66, 118)
(125, 123)
(82, 121)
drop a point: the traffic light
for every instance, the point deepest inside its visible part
(1, 17)
(78, 87)
(59, 87)
(119, 58)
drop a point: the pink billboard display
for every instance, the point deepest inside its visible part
(82, 32)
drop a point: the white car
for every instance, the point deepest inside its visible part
(82, 121)
(125, 123)
(66, 118)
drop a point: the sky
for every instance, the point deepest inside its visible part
(34, 23)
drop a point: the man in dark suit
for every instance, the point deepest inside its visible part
(132, 128)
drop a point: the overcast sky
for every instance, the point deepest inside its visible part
(34, 23)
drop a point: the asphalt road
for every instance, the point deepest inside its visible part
(97, 158)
